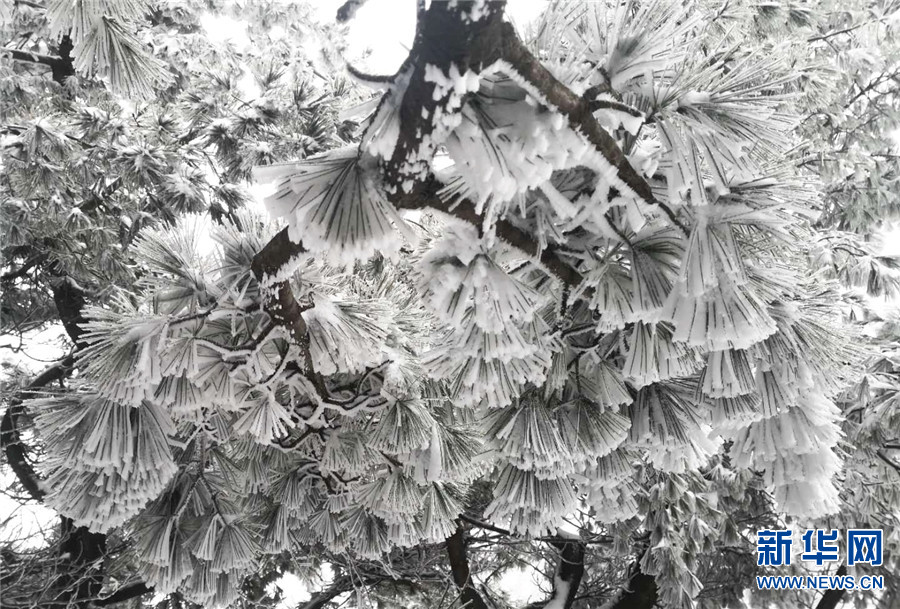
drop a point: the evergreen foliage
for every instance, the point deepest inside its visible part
(616, 273)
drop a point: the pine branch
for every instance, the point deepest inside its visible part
(357, 387)
(83, 551)
(70, 300)
(484, 525)
(459, 567)
(281, 304)
(591, 93)
(123, 594)
(445, 37)
(605, 104)
(618, 231)
(425, 196)
(79, 582)
(578, 112)
(364, 77)
(888, 460)
(61, 65)
(29, 57)
(23, 270)
(845, 30)
(569, 572)
(471, 45)
(321, 599)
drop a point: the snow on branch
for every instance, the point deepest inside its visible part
(577, 110)
(425, 196)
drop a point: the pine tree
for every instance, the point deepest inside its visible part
(574, 277)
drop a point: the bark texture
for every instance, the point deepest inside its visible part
(462, 576)
(641, 591)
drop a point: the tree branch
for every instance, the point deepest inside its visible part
(61, 66)
(23, 270)
(10, 439)
(605, 104)
(569, 572)
(484, 525)
(84, 549)
(425, 196)
(29, 57)
(459, 567)
(446, 37)
(888, 460)
(281, 304)
(70, 299)
(846, 30)
(124, 594)
(579, 114)
(322, 598)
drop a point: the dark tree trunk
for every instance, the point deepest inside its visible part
(70, 300)
(82, 578)
(641, 591)
(459, 566)
(569, 571)
(64, 67)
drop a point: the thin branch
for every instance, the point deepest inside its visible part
(846, 30)
(888, 460)
(484, 525)
(124, 594)
(25, 268)
(29, 57)
(375, 79)
(605, 104)
(591, 93)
